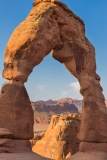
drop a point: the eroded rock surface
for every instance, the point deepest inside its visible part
(14, 146)
(16, 113)
(36, 138)
(22, 156)
(5, 133)
(60, 139)
(51, 26)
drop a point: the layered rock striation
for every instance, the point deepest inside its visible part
(43, 112)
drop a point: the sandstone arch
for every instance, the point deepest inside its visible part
(51, 26)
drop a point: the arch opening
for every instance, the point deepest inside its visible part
(51, 26)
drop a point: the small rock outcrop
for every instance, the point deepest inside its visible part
(60, 140)
(36, 138)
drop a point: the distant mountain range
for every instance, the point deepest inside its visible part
(43, 110)
(76, 102)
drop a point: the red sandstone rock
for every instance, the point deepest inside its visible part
(106, 102)
(94, 121)
(43, 112)
(16, 114)
(21, 156)
(14, 146)
(52, 26)
(4, 132)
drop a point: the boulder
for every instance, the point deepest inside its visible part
(60, 139)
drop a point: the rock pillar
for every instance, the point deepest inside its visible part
(16, 112)
(16, 117)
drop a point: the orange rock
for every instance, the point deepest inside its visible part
(51, 26)
(60, 139)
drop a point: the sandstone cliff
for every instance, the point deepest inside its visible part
(44, 111)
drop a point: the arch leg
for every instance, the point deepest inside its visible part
(78, 56)
(94, 112)
(93, 130)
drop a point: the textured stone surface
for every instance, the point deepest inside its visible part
(89, 156)
(5, 133)
(16, 113)
(14, 146)
(60, 139)
(46, 29)
(36, 138)
(51, 26)
(22, 156)
(90, 147)
(94, 122)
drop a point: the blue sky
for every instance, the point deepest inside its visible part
(50, 80)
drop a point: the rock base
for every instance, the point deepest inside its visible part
(21, 156)
(18, 150)
(91, 151)
(89, 156)
(14, 146)
(16, 114)
(90, 147)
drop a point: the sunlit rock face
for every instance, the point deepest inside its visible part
(51, 26)
(60, 139)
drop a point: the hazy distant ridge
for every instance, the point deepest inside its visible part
(43, 110)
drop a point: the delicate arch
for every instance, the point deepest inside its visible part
(52, 26)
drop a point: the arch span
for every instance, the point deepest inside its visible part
(51, 26)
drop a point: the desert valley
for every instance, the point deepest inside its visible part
(43, 110)
(51, 115)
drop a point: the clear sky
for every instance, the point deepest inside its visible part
(50, 80)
